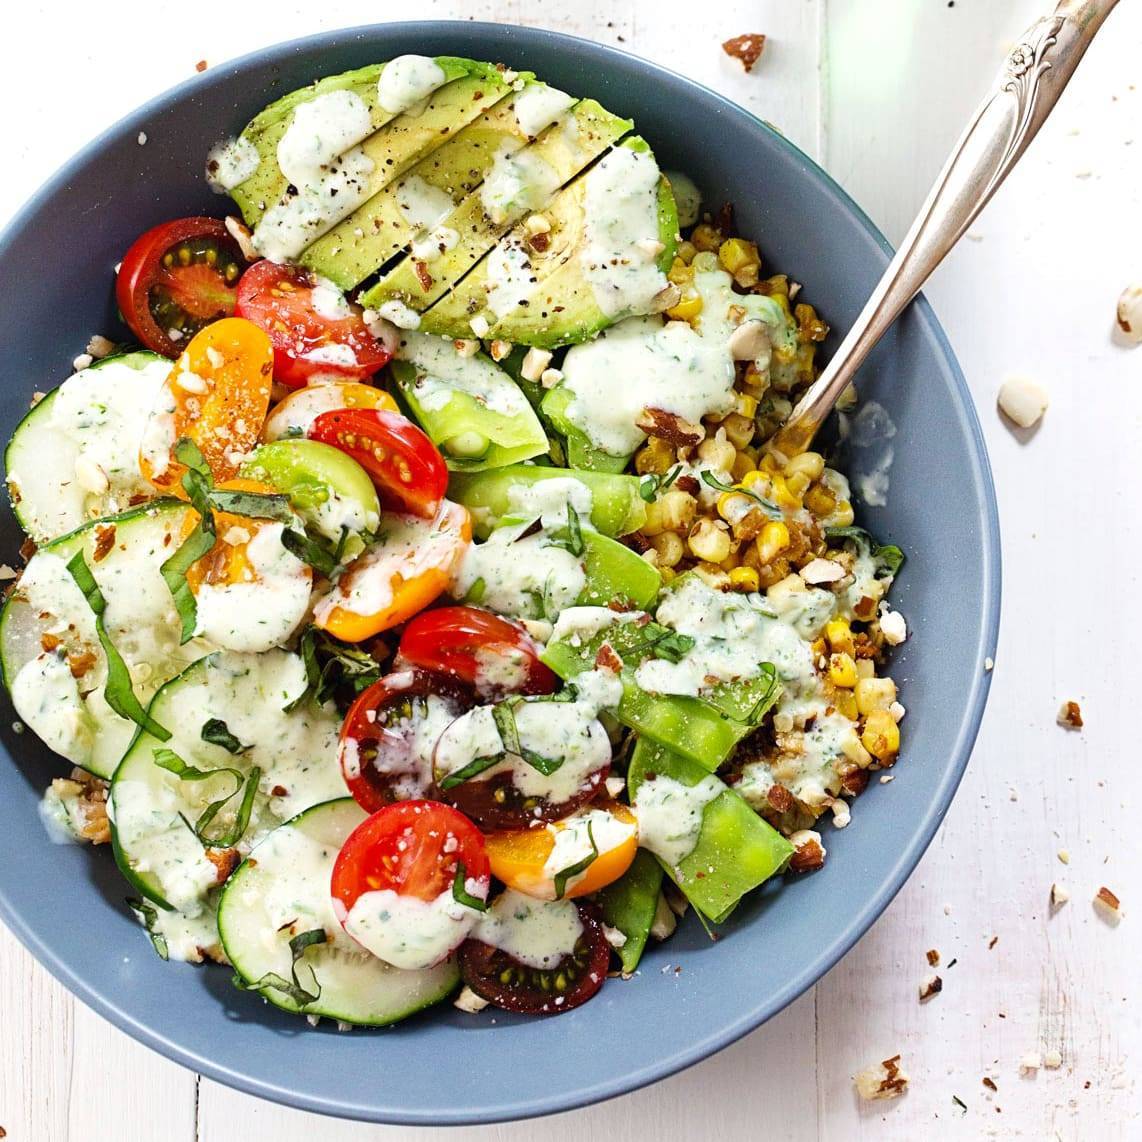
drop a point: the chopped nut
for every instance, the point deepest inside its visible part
(881, 1080)
(235, 536)
(244, 236)
(607, 658)
(224, 860)
(615, 784)
(1059, 896)
(1130, 313)
(822, 571)
(664, 922)
(1064, 856)
(779, 798)
(933, 957)
(535, 361)
(201, 65)
(104, 541)
(614, 937)
(808, 851)
(892, 625)
(499, 350)
(1070, 716)
(466, 347)
(651, 247)
(7, 573)
(746, 48)
(1030, 1062)
(989, 1083)
(469, 1001)
(749, 341)
(479, 325)
(549, 378)
(1053, 1059)
(82, 361)
(1107, 905)
(90, 476)
(930, 987)
(666, 298)
(663, 425)
(1023, 401)
(537, 224)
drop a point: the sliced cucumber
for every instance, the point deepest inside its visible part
(82, 436)
(47, 619)
(283, 891)
(295, 749)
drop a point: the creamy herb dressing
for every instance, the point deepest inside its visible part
(421, 204)
(190, 939)
(329, 302)
(441, 372)
(518, 181)
(46, 695)
(548, 501)
(433, 243)
(321, 129)
(577, 625)
(264, 611)
(573, 842)
(511, 278)
(538, 106)
(229, 163)
(295, 415)
(407, 80)
(537, 933)
(670, 815)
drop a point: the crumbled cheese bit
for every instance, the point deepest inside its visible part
(466, 347)
(142, 139)
(191, 382)
(549, 378)
(881, 1080)
(1130, 313)
(841, 814)
(243, 235)
(479, 325)
(931, 986)
(1107, 905)
(1030, 1062)
(539, 629)
(615, 785)
(537, 224)
(651, 247)
(499, 350)
(749, 341)
(666, 298)
(82, 361)
(469, 1001)
(1070, 716)
(892, 625)
(535, 361)
(822, 571)
(90, 476)
(236, 536)
(1053, 1059)
(665, 921)
(1064, 855)
(100, 346)
(897, 711)
(614, 937)
(1023, 401)
(1059, 896)
(886, 778)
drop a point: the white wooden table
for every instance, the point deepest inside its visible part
(876, 90)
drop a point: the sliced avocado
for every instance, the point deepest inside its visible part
(565, 147)
(415, 204)
(544, 296)
(267, 184)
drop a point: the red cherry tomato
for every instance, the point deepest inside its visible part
(496, 656)
(307, 342)
(414, 848)
(385, 751)
(500, 978)
(409, 472)
(177, 278)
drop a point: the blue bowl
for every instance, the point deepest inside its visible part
(66, 903)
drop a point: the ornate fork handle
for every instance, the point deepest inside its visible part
(1028, 85)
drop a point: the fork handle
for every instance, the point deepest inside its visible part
(1028, 85)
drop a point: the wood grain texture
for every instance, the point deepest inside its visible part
(879, 89)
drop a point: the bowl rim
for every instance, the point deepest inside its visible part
(959, 752)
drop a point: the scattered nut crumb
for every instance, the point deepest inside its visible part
(201, 66)
(989, 664)
(500, 350)
(469, 1001)
(747, 48)
(100, 346)
(1030, 1062)
(1023, 401)
(82, 361)
(1107, 905)
(881, 1080)
(992, 942)
(244, 236)
(808, 851)
(931, 986)
(1070, 716)
(989, 1083)
(142, 138)
(1053, 1060)
(1064, 855)
(933, 957)
(615, 937)
(1059, 896)
(1130, 313)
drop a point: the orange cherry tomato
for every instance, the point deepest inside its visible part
(217, 394)
(293, 415)
(410, 566)
(518, 857)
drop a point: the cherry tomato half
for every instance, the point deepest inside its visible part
(500, 978)
(296, 412)
(406, 466)
(390, 732)
(496, 656)
(313, 328)
(413, 848)
(177, 278)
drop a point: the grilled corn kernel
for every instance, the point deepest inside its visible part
(739, 429)
(842, 515)
(667, 574)
(820, 501)
(705, 237)
(846, 703)
(674, 510)
(852, 749)
(670, 548)
(746, 405)
(778, 285)
(709, 542)
(809, 326)
(811, 463)
(712, 575)
(840, 635)
(744, 579)
(842, 670)
(881, 735)
(688, 308)
(743, 466)
(875, 694)
(731, 505)
(757, 482)
(797, 483)
(784, 496)
(866, 668)
(717, 452)
(773, 540)
(736, 253)
(750, 557)
(681, 273)
(686, 251)
(655, 457)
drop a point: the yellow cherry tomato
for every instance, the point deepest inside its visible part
(293, 415)
(522, 858)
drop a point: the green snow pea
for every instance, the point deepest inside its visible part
(736, 850)
(616, 572)
(630, 903)
(616, 506)
(581, 453)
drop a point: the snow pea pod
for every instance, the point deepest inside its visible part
(630, 903)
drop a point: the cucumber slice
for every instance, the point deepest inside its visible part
(295, 749)
(90, 425)
(46, 618)
(284, 891)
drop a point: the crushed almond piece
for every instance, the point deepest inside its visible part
(469, 1001)
(1129, 313)
(1070, 716)
(881, 1080)
(608, 658)
(7, 572)
(933, 957)
(1053, 1059)
(224, 860)
(780, 798)
(989, 1083)
(1059, 896)
(104, 541)
(1023, 401)
(100, 346)
(808, 851)
(1030, 1062)
(746, 48)
(930, 987)
(663, 425)
(1107, 905)
(244, 236)
(201, 66)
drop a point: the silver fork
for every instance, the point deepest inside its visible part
(1028, 85)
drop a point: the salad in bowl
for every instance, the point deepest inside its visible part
(415, 595)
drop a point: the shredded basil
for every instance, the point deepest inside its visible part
(147, 915)
(117, 690)
(292, 987)
(217, 732)
(564, 875)
(308, 550)
(574, 533)
(770, 509)
(650, 485)
(248, 783)
(197, 483)
(460, 892)
(673, 646)
(472, 769)
(503, 714)
(887, 556)
(255, 505)
(333, 667)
